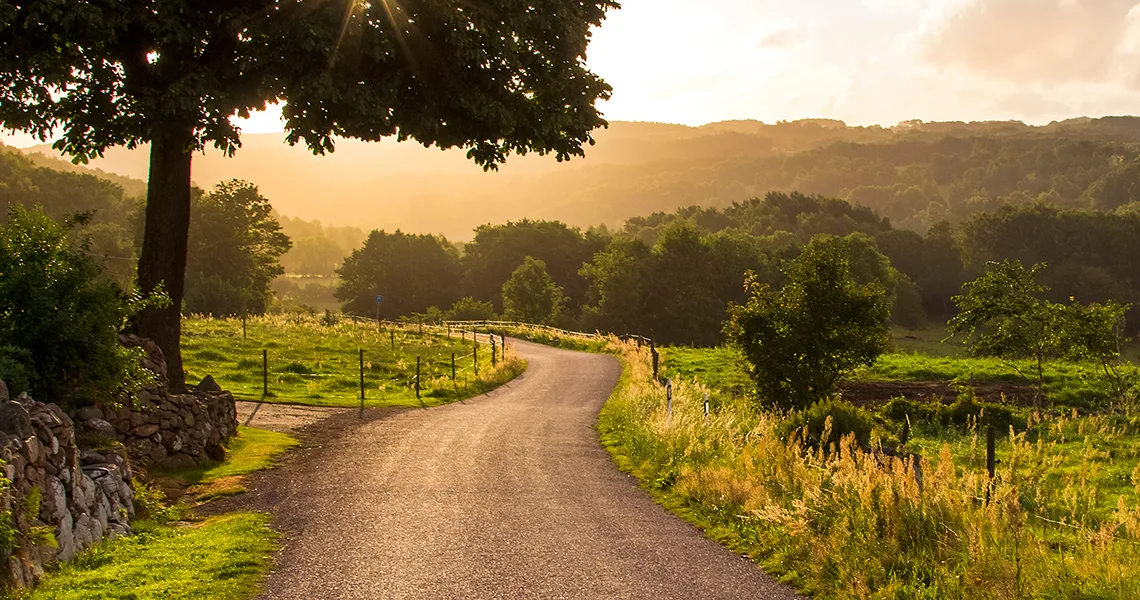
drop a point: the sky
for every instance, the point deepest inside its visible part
(863, 61)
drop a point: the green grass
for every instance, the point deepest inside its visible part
(1066, 384)
(222, 558)
(250, 450)
(318, 364)
(845, 525)
(556, 340)
(720, 368)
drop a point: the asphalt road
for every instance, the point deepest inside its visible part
(507, 495)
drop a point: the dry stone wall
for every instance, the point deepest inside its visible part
(166, 429)
(61, 500)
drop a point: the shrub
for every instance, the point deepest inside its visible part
(801, 341)
(963, 412)
(470, 309)
(59, 317)
(813, 424)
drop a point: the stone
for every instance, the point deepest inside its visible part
(14, 420)
(144, 431)
(89, 457)
(54, 499)
(34, 449)
(101, 426)
(137, 419)
(65, 536)
(87, 489)
(178, 460)
(3, 391)
(88, 412)
(208, 385)
(46, 419)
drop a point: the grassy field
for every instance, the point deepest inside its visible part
(1066, 384)
(222, 558)
(1063, 522)
(318, 363)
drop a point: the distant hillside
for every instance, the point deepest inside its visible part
(132, 186)
(915, 173)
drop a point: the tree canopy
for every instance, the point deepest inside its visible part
(235, 250)
(801, 340)
(411, 272)
(531, 295)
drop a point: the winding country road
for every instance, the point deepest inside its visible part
(507, 495)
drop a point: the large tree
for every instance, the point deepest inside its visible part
(491, 77)
(411, 272)
(235, 251)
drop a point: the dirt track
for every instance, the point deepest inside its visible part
(507, 495)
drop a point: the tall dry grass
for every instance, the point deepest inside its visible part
(843, 523)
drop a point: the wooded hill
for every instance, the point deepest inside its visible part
(915, 173)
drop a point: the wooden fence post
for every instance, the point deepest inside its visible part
(669, 399)
(653, 352)
(493, 361)
(452, 367)
(362, 381)
(418, 379)
(476, 353)
(264, 373)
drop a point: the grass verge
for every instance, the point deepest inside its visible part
(223, 558)
(841, 523)
(250, 450)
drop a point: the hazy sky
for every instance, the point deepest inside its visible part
(865, 61)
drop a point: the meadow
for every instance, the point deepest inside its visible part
(1062, 519)
(316, 361)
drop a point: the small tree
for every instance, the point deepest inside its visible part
(802, 340)
(470, 309)
(1096, 333)
(1003, 314)
(531, 296)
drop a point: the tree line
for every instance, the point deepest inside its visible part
(672, 275)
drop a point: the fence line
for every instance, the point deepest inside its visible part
(308, 374)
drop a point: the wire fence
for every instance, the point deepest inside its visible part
(338, 364)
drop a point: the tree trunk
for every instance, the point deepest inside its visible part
(163, 257)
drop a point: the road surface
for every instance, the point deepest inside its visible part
(507, 495)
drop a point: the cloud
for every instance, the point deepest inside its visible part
(776, 40)
(1037, 41)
